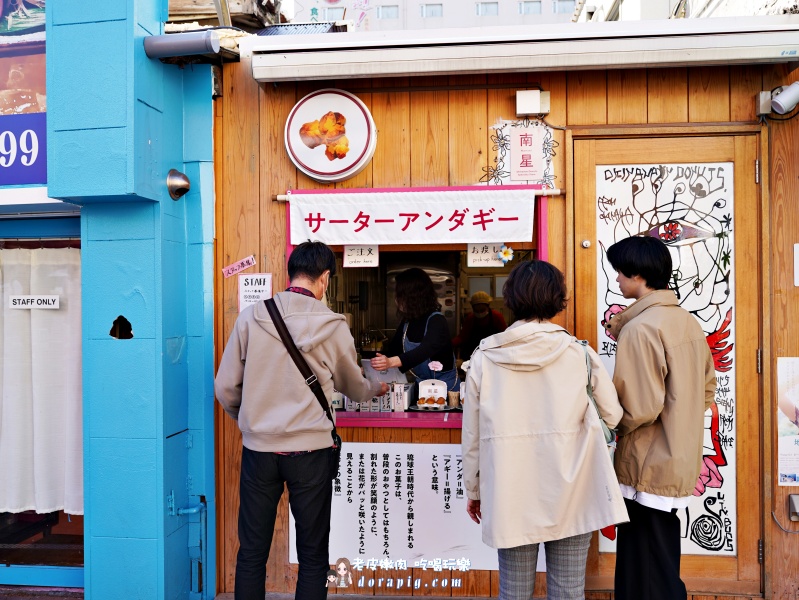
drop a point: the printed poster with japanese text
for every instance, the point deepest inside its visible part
(690, 208)
(788, 421)
(403, 506)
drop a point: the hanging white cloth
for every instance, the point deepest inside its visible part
(41, 445)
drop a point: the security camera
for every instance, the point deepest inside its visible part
(786, 100)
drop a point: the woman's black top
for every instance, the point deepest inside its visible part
(436, 345)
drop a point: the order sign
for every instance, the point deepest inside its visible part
(330, 135)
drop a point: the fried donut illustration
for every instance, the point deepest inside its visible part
(329, 131)
(338, 149)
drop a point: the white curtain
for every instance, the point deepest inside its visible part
(41, 445)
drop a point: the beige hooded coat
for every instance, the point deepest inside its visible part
(533, 449)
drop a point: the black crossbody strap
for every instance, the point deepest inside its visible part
(310, 379)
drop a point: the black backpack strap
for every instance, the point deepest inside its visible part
(310, 379)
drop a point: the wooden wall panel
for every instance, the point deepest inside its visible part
(392, 159)
(222, 431)
(239, 235)
(627, 96)
(748, 336)
(668, 95)
(745, 83)
(708, 91)
(435, 132)
(783, 549)
(468, 138)
(429, 139)
(586, 96)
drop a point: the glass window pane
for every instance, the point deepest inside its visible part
(487, 9)
(388, 12)
(565, 6)
(432, 10)
(532, 7)
(334, 14)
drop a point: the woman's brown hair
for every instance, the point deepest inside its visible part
(416, 295)
(536, 290)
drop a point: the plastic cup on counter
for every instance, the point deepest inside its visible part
(454, 399)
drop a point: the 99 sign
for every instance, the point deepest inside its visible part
(23, 149)
(26, 148)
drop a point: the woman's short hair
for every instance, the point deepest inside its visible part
(311, 259)
(645, 256)
(535, 290)
(416, 295)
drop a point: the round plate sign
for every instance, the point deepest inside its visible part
(330, 135)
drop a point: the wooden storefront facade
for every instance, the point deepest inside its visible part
(436, 131)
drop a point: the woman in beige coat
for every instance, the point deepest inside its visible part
(536, 466)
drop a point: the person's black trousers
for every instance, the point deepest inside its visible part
(310, 492)
(648, 555)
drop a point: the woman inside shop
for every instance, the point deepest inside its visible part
(423, 335)
(536, 466)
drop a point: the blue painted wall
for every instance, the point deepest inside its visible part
(117, 123)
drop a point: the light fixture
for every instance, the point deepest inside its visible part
(532, 102)
(177, 184)
(181, 44)
(786, 100)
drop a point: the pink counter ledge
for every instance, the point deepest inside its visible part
(419, 420)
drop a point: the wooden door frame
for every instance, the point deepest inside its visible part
(766, 384)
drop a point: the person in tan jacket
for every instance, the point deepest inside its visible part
(535, 463)
(286, 434)
(666, 381)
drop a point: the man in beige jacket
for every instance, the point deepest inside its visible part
(285, 433)
(666, 380)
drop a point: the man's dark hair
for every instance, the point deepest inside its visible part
(311, 259)
(416, 295)
(642, 255)
(536, 290)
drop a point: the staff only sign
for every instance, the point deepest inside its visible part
(415, 216)
(50, 302)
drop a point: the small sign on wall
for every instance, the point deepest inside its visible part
(361, 256)
(527, 156)
(330, 135)
(29, 302)
(239, 266)
(796, 265)
(788, 421)
(254, 288)
(484, 255)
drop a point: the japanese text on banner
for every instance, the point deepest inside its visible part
(458, 216)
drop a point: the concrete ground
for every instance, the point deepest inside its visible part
(274, 596)
(21, 593)
(12, 592)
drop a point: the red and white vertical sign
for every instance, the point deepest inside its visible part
(527, 159)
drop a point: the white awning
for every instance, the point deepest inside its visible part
(570, 46)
